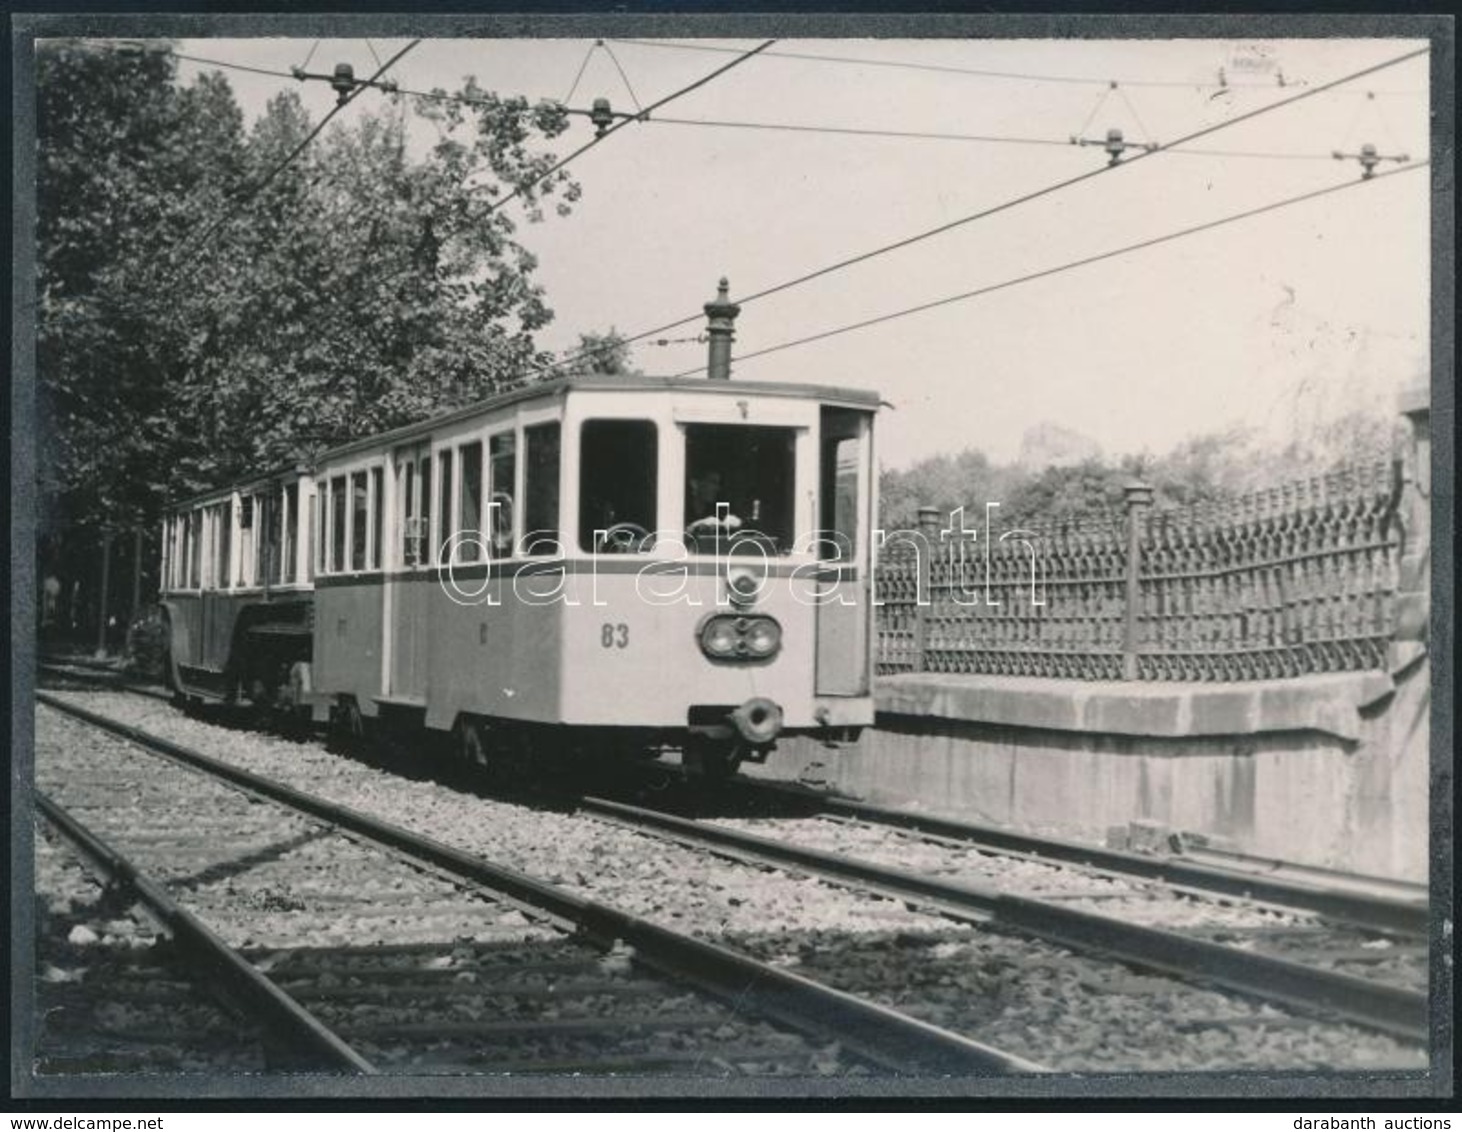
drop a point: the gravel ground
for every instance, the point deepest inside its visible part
(416, 972)
(1300, 936)
(1131, 900)
(1039, 1001)
(111, 997)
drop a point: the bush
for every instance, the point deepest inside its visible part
(148, 645)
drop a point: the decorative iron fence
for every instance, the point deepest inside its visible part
(1293, 580)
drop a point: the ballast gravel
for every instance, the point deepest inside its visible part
(1064, 1010)
(110, 995)
(417, 972)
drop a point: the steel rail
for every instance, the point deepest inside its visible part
(1401, 1013)
(875, 1033)
(107, 677)
(214, 960)
(1331, 901)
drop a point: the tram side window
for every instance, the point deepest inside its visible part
(424, 475)
(243, 575)
(444, 482)
(749, 468)
(540, 487)
(840, 465)
(195, 549)
(618, 474)
(225, 545)
(337, 524)
(359, 509)
(502, 452)
(274, 538)
(377, 508)
(312, 532)
(289, 522)
(263, 525)
(321, 506)
(469, 511)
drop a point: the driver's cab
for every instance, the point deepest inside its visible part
(692, 473)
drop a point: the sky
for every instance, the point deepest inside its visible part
(1278, 323)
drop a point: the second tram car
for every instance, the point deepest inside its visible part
(623, 564)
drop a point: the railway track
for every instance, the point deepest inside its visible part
(1374, 903)
(1295, 961)
(485, 970)
(1366, 902)
(1070, 1007)
(112, 992)
(94, 674)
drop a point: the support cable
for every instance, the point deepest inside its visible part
(251, 194)
(1071, 265)
(610, 131)
(1025, 198)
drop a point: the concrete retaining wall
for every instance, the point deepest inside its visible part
(1327, 770)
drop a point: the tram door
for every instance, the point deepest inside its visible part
(412, 584)
(845, 609)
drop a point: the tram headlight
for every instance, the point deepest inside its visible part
(741, 638)
(743, 587)
(763, 637)
(719, 638)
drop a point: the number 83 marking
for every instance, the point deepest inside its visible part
(614, 636)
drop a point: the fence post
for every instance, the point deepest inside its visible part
(1413, 597)
(1137, 496)
(929, 538)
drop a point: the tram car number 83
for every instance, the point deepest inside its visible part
(610, 565)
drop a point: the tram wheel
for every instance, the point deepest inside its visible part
(710, 762)
(472, 744)
(347, 724)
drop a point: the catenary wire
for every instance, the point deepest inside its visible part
(1007, 139)
(254, 192)
(583, 66)
(1024, 198)
(614, 129)
(937, 68)
(613, 58)
(1071, 265)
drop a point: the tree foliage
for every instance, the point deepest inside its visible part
(193, 328)
(1203, 468)
(606, 353)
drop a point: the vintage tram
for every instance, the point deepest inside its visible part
(621, 564)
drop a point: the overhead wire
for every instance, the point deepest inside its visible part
(1025, 198)
(583, 66)
(976, 72)
(850, 131)
(613, 58)
(314, 47)
(614, 129)
(927, 135)
(1070, 265)
(252, 193)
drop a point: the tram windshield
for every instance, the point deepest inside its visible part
(739, 482)
(617, 486)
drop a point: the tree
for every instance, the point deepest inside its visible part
(124, 159)
(195, 327)
(605, 353)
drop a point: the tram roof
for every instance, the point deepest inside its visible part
(279, 474)
(856, 398)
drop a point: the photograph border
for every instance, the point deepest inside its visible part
(1057, 1091)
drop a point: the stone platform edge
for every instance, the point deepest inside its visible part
(1329, 703)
